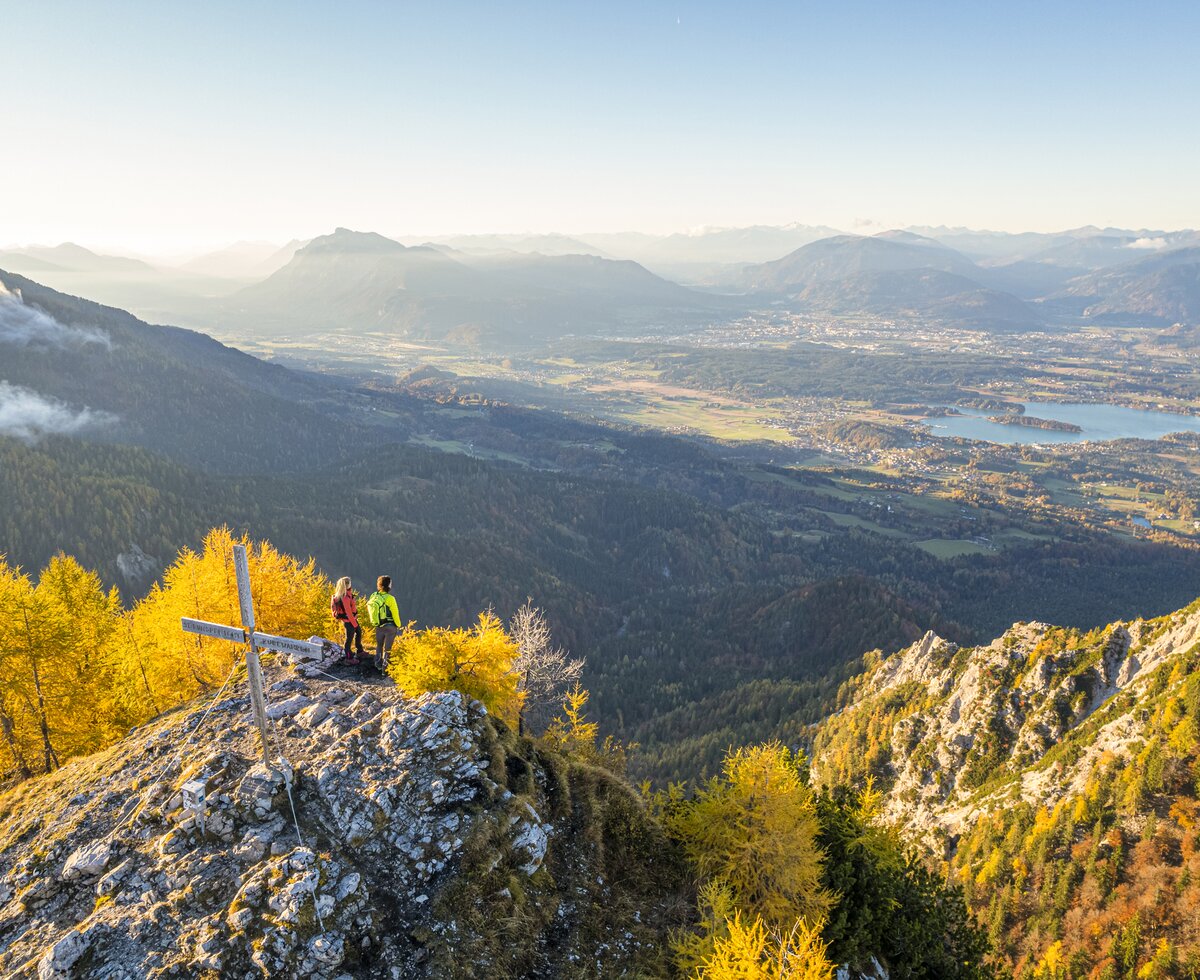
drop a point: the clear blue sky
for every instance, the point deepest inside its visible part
(152, 124)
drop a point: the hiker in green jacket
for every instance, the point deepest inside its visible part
(385, 617)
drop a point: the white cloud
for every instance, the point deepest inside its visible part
(27, 415)
(1149, 243)
(27, 326)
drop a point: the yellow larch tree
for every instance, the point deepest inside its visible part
(749, 951)
(478, 661)
(754, 829)
(290, 598)
(751, 834)
(79, 620)
(24, 725)
(76, 671)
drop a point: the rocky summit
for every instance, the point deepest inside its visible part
(957, 732)
(389, 837)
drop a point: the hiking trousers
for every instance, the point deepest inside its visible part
(353, 635)
(385, 636)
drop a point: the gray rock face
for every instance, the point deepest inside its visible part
(88, 861)
(978, 723)
(106, 873)
(61, 958)
(137, 568)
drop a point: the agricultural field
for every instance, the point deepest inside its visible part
(846, 400)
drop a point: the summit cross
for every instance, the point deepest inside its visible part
(254, 641)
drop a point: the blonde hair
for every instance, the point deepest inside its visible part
(343, 586)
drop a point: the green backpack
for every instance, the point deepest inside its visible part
(377, 610)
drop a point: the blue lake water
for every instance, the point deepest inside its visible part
(1098, 422)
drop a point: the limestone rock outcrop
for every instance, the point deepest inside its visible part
(386, 837)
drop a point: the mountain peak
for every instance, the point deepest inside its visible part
(391, 837)
(1052, 769)
(70, 249)
(346, 240)
(909, 237)
(989, 715)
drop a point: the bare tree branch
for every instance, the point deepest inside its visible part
(546, 671)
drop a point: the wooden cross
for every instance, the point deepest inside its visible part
(255, 641)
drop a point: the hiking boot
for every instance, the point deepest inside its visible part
(351, 661)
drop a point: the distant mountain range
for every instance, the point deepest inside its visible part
(113, 279)
(831, 259)
(361, 281)
(501, 289)
(893, 274)
(543, 244)
(69, 257)
(1159, 290)
(250, 261)
(703, 256)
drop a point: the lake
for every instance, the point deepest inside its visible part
(1098, 422)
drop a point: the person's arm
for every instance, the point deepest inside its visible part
(395, 610)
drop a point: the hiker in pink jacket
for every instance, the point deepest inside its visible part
(344, 606)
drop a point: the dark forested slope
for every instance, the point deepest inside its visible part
(175, 391)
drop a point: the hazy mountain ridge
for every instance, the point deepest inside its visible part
(361, 281)
(835, 258)
(892, 274)
(707, 255)
(243, 260)
(923, 293)
(75, 258)
(165, 388)
(528, 287)
(548, 244)
(1160, 289)
(114, 279)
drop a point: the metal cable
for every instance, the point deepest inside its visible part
(177, 757)
(287, 782)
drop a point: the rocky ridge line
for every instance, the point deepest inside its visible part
(970, 727)
(427, 838)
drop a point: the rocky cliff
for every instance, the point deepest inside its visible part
(388, 838)
(1057, 773)
(950, 732)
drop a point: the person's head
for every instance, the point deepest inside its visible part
(342, 587)
(385, 583)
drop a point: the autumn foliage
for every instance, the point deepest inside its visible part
(77, 670)
(751, 835)
(478, 661)
(750, 951)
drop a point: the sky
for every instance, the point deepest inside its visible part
(153, 127)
